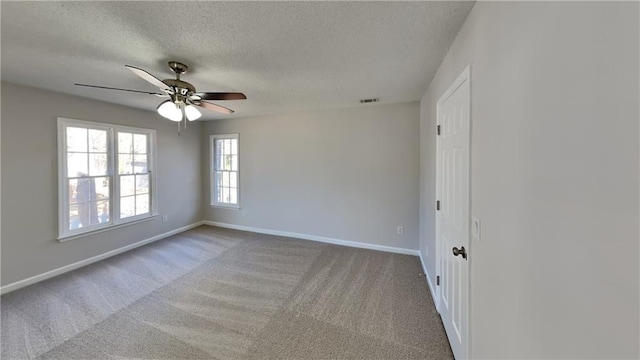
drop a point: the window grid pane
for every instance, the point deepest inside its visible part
(142, 204)
(76, 139)
(142, 184)
(125, 164)
(127, 185)
(89, 202)
(97, 164)
(140, 143)
(97, 141)
(140, 164)
(127, 206)
(125, 143)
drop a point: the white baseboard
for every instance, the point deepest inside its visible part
(61, 270)
(316, 238)
(431, 288)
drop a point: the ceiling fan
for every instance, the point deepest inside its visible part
(183, 97)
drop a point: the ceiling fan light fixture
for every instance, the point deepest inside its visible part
(192, 113)
(170, 111)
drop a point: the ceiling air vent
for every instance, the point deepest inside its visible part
(367, 101)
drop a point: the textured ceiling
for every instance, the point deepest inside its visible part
(285, 56)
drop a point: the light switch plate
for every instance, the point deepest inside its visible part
(475, 228)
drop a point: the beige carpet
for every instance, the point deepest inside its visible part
(212, 293)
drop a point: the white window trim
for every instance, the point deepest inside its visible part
(114, 201)
(212, 160)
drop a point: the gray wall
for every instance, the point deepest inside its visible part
(554, 177)
(349, 174)
(29, 180)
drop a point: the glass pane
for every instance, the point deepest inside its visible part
(76, 139)
(234, 163)
(219, 145)
(101, 185)
(218, 179)
(140, 164)
(77, 164)
(234, 146)
(103, 211)
(125, 164)
(93, 210)
(74, 219)
(73, 184)
(225, 195)
(85, 190)
(220, 162)
(98, 141)
(227, 162)
(219, 194)
(142, 184)
(140, 143)
(225, 179)
(125, 142)
(97, 164)
(227, 146)
(142, 204)
(127, 207)
(127, 185)
(87, 214)
(233, 179)
(233, 196)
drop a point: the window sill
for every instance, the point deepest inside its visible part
(225, 207)
(117, 226)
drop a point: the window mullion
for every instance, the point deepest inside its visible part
(116, 178)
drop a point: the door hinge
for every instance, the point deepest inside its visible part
(438, 280)
(438, 129)
(438, 205)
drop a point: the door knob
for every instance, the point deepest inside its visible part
(460, 251)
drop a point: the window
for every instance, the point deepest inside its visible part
(134, 174)
(225, 171)
(92, 195)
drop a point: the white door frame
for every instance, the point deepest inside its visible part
(465, 75)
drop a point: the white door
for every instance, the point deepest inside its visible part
(452, 220)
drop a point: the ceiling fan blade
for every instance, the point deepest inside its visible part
(111, 88)
(148, 77)
(213, 107)
(220, 96)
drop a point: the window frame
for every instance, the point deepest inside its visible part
(212, 171)
(64, 233)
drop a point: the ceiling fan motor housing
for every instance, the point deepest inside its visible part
(180, 87)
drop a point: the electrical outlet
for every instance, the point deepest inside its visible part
(400, 230)
(165, 218)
